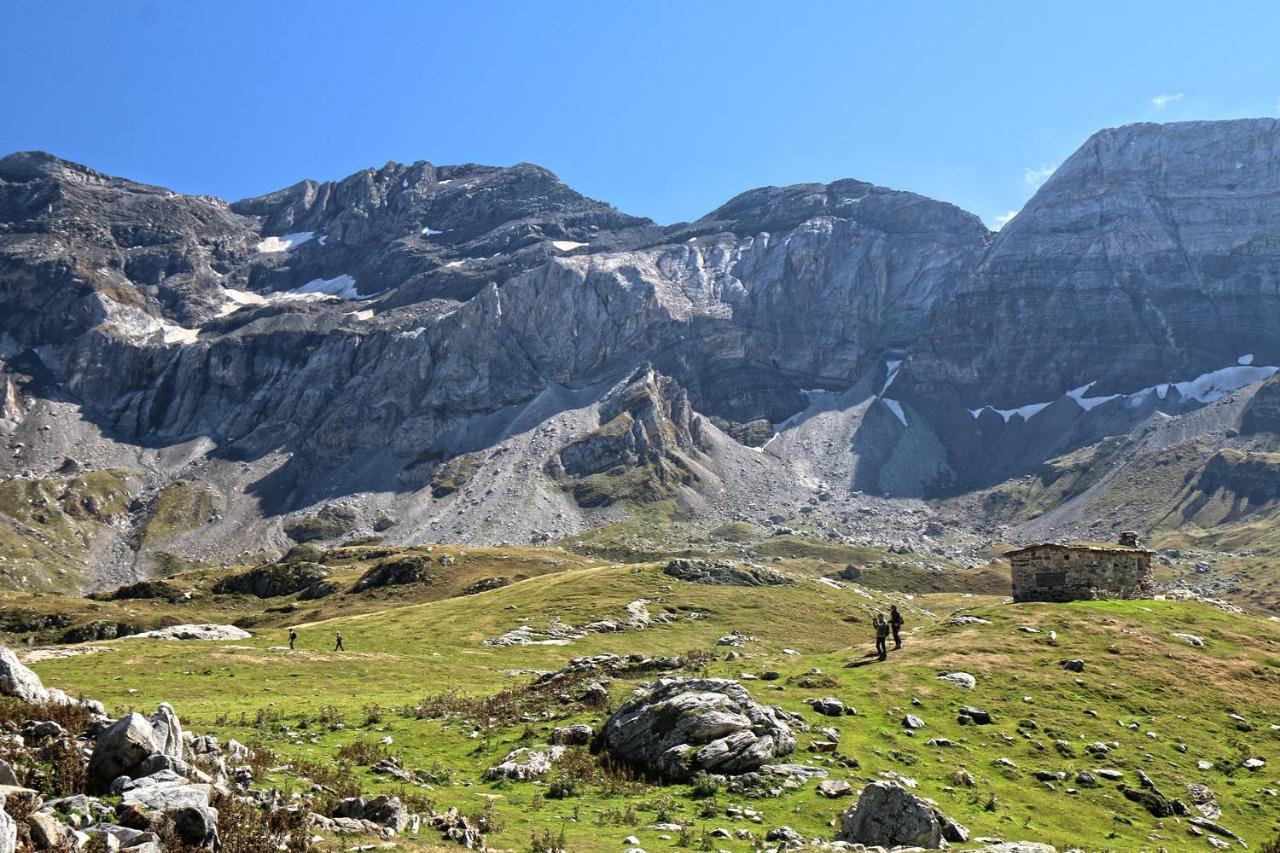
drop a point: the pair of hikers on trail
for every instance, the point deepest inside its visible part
(293, 640)
(886, 626)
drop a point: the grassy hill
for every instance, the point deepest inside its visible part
(421, 674)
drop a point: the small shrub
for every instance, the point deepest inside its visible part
(73, 718)
(363, 752)
(330, 716)
(710, 808)
(244, 828)
(705, 785)
(548, 843)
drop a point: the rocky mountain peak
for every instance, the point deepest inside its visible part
(770, 209)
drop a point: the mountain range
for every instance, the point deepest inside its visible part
(483, 355)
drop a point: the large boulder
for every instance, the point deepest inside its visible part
(18, 681)
(680, 726)
(120, 749)
(203, 631)
(889, 815)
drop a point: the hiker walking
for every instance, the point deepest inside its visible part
(293, 639)
(882, 636)
(895, 623)
(338, 647)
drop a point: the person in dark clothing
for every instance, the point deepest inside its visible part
(339, 647)
(293, 638)
(895, 624)
(882, 636)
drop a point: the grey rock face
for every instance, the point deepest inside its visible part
(680, 726)
(1151, 247)
(889, 815)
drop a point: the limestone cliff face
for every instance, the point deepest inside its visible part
(1152, 254)
(348, 338)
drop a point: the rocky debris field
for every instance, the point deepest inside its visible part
(144, 784)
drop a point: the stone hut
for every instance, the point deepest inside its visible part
(1070, 572)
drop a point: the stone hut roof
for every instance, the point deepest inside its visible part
(1103, 547)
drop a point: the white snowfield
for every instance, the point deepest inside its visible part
(284, 242)
(237, 299)
(1206, 388)
(342, 286)
(896, 408)
(567, 245)
(172, 334)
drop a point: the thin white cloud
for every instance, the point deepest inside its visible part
(1003, 219)
(1162, 101)
(1035, 178)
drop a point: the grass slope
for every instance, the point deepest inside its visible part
(313, 705)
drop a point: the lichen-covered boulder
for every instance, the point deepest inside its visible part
(18, 681)
(680, 726)
(889, 815)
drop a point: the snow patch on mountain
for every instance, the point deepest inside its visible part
(1205, 388)
(342, 286)
(896, 408)
(284, 242)
(891, 373)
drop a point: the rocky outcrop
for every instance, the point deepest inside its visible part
(274, 579)
(681, 726)
(646, 426)
(397, 572)
(724, 573)
(525, 765)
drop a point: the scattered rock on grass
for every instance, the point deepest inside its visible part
(959, 679)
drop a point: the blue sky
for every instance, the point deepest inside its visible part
(664, 109)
